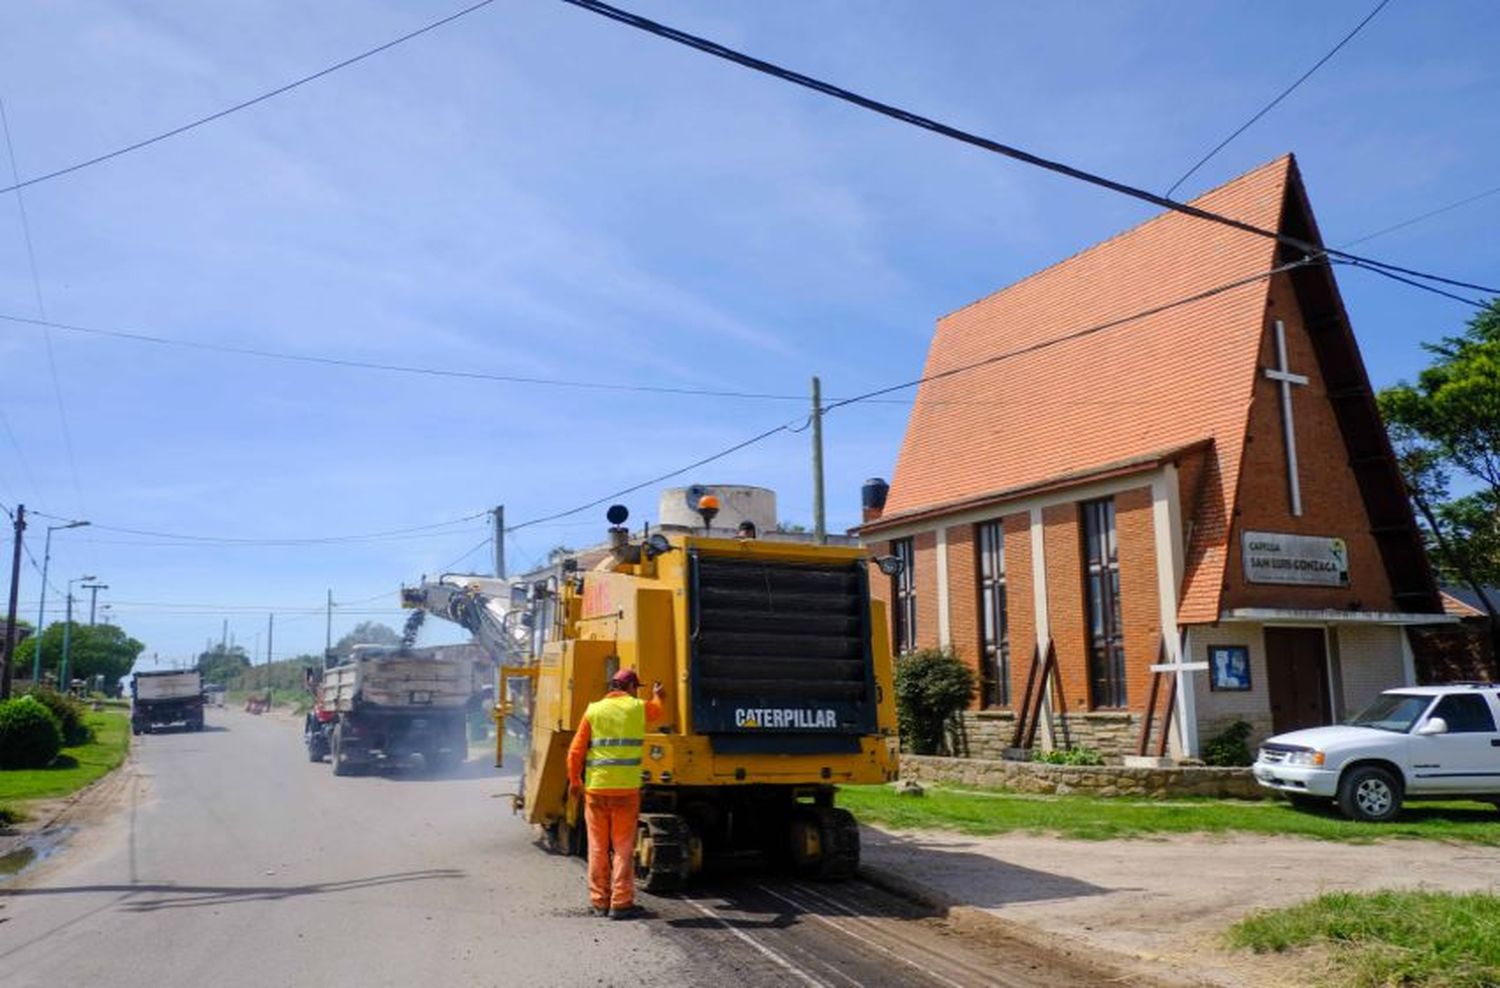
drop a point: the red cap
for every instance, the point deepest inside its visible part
(625, 679)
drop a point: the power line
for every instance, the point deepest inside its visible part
(966, 137)
(1072, 336)
(1281, 96)
(309, 540)
(246, 104)
(1476, 303)
(870, 395)
(1424, 216)
(41, 308)
(395, 368)
(654, 480)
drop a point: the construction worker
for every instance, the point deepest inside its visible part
(604, 765)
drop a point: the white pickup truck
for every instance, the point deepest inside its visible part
(1416, 742)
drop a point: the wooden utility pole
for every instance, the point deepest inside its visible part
(820, 528)
(8, 656)
(270, 634)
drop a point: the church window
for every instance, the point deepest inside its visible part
(994, 631)
(904, 594)
(1101, 557)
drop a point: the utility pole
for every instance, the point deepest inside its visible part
(499, 539)
(328, 633)
(62, 670)
(41, 609)
(820, 528)
(270, 632)
(15, 586)
(224, 638)
(93, 589)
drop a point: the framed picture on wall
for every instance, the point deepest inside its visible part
(1229, 667)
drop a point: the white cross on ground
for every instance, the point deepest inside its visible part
(1283, 376)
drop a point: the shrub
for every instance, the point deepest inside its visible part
(932, 686)
(30, 736)
(69, 713)
(1069, 756)
(1228, 748)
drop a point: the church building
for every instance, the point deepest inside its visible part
(1146, 494)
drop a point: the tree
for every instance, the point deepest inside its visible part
(93, 650)
(1448, 423)
(367, 633)
(221, 664)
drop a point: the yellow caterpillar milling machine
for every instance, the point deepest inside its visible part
(778, 679)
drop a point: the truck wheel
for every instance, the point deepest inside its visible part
(664, 851)
(1369, 794)
(840, 835)
(337, 754)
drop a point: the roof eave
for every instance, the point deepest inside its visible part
(1108, 471)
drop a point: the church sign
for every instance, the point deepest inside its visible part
(1299, 560)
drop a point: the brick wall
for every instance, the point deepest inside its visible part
(924, 545)
(880, 586)
(1331, 501)
(1140, 603)
(1065, 607)
(963, 598)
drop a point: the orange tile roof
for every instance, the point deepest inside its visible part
(1164, 381)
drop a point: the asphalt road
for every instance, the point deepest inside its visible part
(229, 860)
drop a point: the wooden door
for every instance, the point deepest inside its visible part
(1297, 670)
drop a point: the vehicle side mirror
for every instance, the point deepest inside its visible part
(1434, 725)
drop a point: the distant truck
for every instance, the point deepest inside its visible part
(384, 704)
(166, 697)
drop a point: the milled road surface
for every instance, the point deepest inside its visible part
(232, 861)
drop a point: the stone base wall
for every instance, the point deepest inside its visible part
(986, 734)
(1101, 780)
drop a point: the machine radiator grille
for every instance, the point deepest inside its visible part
(781, 646)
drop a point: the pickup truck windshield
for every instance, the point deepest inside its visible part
(1391, 712)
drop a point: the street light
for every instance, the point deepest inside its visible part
(41, 611)
(63, 682)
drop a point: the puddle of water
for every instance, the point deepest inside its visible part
(37, 848)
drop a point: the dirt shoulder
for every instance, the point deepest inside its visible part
(1162, 903)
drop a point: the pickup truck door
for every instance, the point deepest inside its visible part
(1467, 757)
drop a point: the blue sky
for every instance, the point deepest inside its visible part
(534, 190)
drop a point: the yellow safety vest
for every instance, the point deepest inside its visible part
(617, 733)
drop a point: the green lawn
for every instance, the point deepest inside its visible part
(973, 811)
(74, 768)
(1388, 938)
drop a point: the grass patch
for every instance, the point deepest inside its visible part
(75, 768)
(989, 811)
(1388, 938)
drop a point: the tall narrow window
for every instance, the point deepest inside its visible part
(1101, 558)
(994, 631)
(904, 596)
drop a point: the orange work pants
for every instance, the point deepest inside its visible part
(611, 818)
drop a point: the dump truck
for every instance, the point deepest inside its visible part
(778, 676)
(383, 704)
(166, 697)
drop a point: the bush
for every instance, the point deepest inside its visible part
(1228, 748)
(30, 735)
(1069, 756)
(69, 713)
(932, 686)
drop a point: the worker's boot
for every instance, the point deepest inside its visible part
(598, 911)
(626, 912)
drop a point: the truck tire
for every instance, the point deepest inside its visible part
(664, 851)
(840, 834)
(337, 754)
(1370, 794)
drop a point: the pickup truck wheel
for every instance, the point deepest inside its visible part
(1369, 794)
